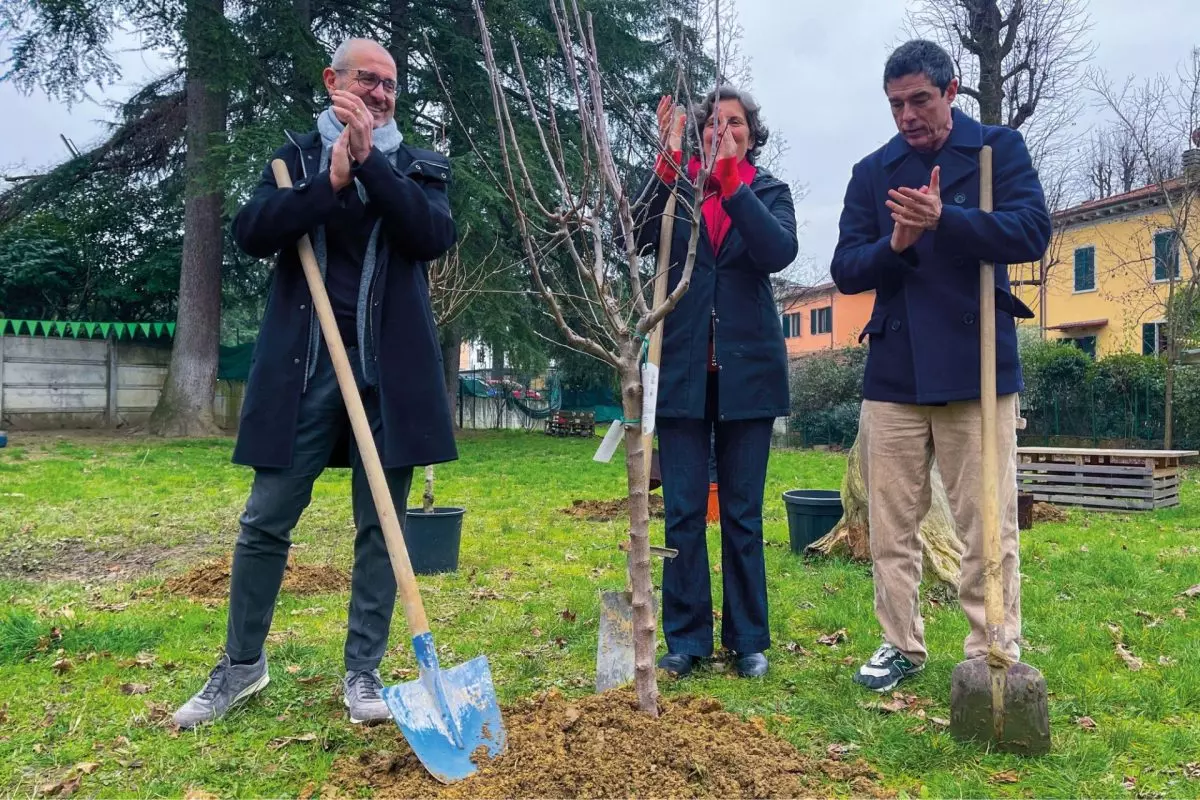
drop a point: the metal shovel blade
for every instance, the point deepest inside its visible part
(1024, 728)
(614, 651)
(447, 716)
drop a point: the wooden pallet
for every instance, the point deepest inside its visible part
(1105, 480)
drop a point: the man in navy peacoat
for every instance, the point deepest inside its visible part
(912, 231)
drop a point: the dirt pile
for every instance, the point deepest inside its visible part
(1044, 512)
(609, 510)
(601, 746)
(210, 580)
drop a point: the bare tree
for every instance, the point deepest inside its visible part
(1159, 116)
(594, 289)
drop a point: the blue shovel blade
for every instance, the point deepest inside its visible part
(446, 727)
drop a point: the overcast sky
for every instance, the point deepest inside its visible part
(816, 67)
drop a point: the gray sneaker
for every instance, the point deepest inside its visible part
(360, 692)
(227, 685)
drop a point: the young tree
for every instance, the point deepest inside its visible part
(596, 292)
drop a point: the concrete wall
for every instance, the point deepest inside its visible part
(50, 382)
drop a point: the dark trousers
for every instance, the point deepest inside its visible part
(276, 501)
(741, 451)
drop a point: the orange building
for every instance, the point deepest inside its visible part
(822, 318)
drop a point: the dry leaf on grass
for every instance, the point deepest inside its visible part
(1131, 661)
(568, 615)
(86, 767)
(284, 741)
(945, 723)
(199, 794)
(1130, 783)
(832, 639)
(63, 665)
(135, 688)
(293, 669)
(793, 647)
(1007, 776)
(1192, 770)
(1166, 661)
(485, 593)
(311, 679)
(1180, 612)
(1087, 723)
(1192, 592)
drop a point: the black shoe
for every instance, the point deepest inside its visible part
(678, 664)
(751, 665)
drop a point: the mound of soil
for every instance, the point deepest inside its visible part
(602, 746)
(609, 510)
(210, 580)
(1044, 512)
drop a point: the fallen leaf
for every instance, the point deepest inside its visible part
(129, 764)
(3, 713)
(1166, 661)
(1130, 783)
(485, 593)
(63, 665)
(134, 688)
(199, 794)
(1131, 661)
(793, 647)
(1087, 723)
(536, 633)
(568, 615)
(121, 741)
(56, 633)
(1192, 592)
(87, 767)
(309, 790)
(1192, 770)
(112, 607)
(1180, 612)
(1083, 548)
(315, 679)
(837, 751)
(399, 673)
(1008, 776)
(919, 729)
(944, 723)
(717, 568)
(832, 639)
(293, 669)
(67, 612)
(560, 641)
(284, 741)
(829, 588)
(848, 661)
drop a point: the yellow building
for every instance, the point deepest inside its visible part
(1107, 274)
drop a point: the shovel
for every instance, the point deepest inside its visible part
(445, 715)
(993, 699)
(614, 651)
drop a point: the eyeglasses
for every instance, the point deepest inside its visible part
(369, 80)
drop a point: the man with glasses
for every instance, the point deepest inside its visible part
(376, 210)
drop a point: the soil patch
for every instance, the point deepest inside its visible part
(602, 746)
(1044, 512)
(609, 510)
(82, 561)
(210, 580)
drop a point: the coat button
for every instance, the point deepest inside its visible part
(295, 361)
(895, 324)
(303, 306)
(968, 318)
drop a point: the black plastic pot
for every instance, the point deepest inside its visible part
(812, 513)
(433, 539)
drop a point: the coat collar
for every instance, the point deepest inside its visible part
(958, 158)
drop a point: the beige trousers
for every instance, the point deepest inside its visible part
(899, 443)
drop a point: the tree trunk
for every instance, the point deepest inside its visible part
(399, 30)
(185, 407)
(427, 497)
(850, 538)
(451, 342)
(644, 624)
(985, 29)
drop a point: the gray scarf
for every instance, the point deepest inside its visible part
(387, 139)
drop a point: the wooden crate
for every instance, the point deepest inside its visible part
(1105, 480)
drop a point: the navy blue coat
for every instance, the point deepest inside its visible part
(752, 379)
(416, 228)
(924, 329)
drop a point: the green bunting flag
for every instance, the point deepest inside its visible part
(145, 328)
(158, 329)
(119, 329)
(170, 329)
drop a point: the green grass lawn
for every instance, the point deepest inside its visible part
(97, 512)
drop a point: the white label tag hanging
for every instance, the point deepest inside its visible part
(607, 447)
(649, 397)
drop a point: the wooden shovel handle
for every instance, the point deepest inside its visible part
(406, 581)
(654, 353)
(993, 590)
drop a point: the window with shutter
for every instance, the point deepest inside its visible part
(1085, 269)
